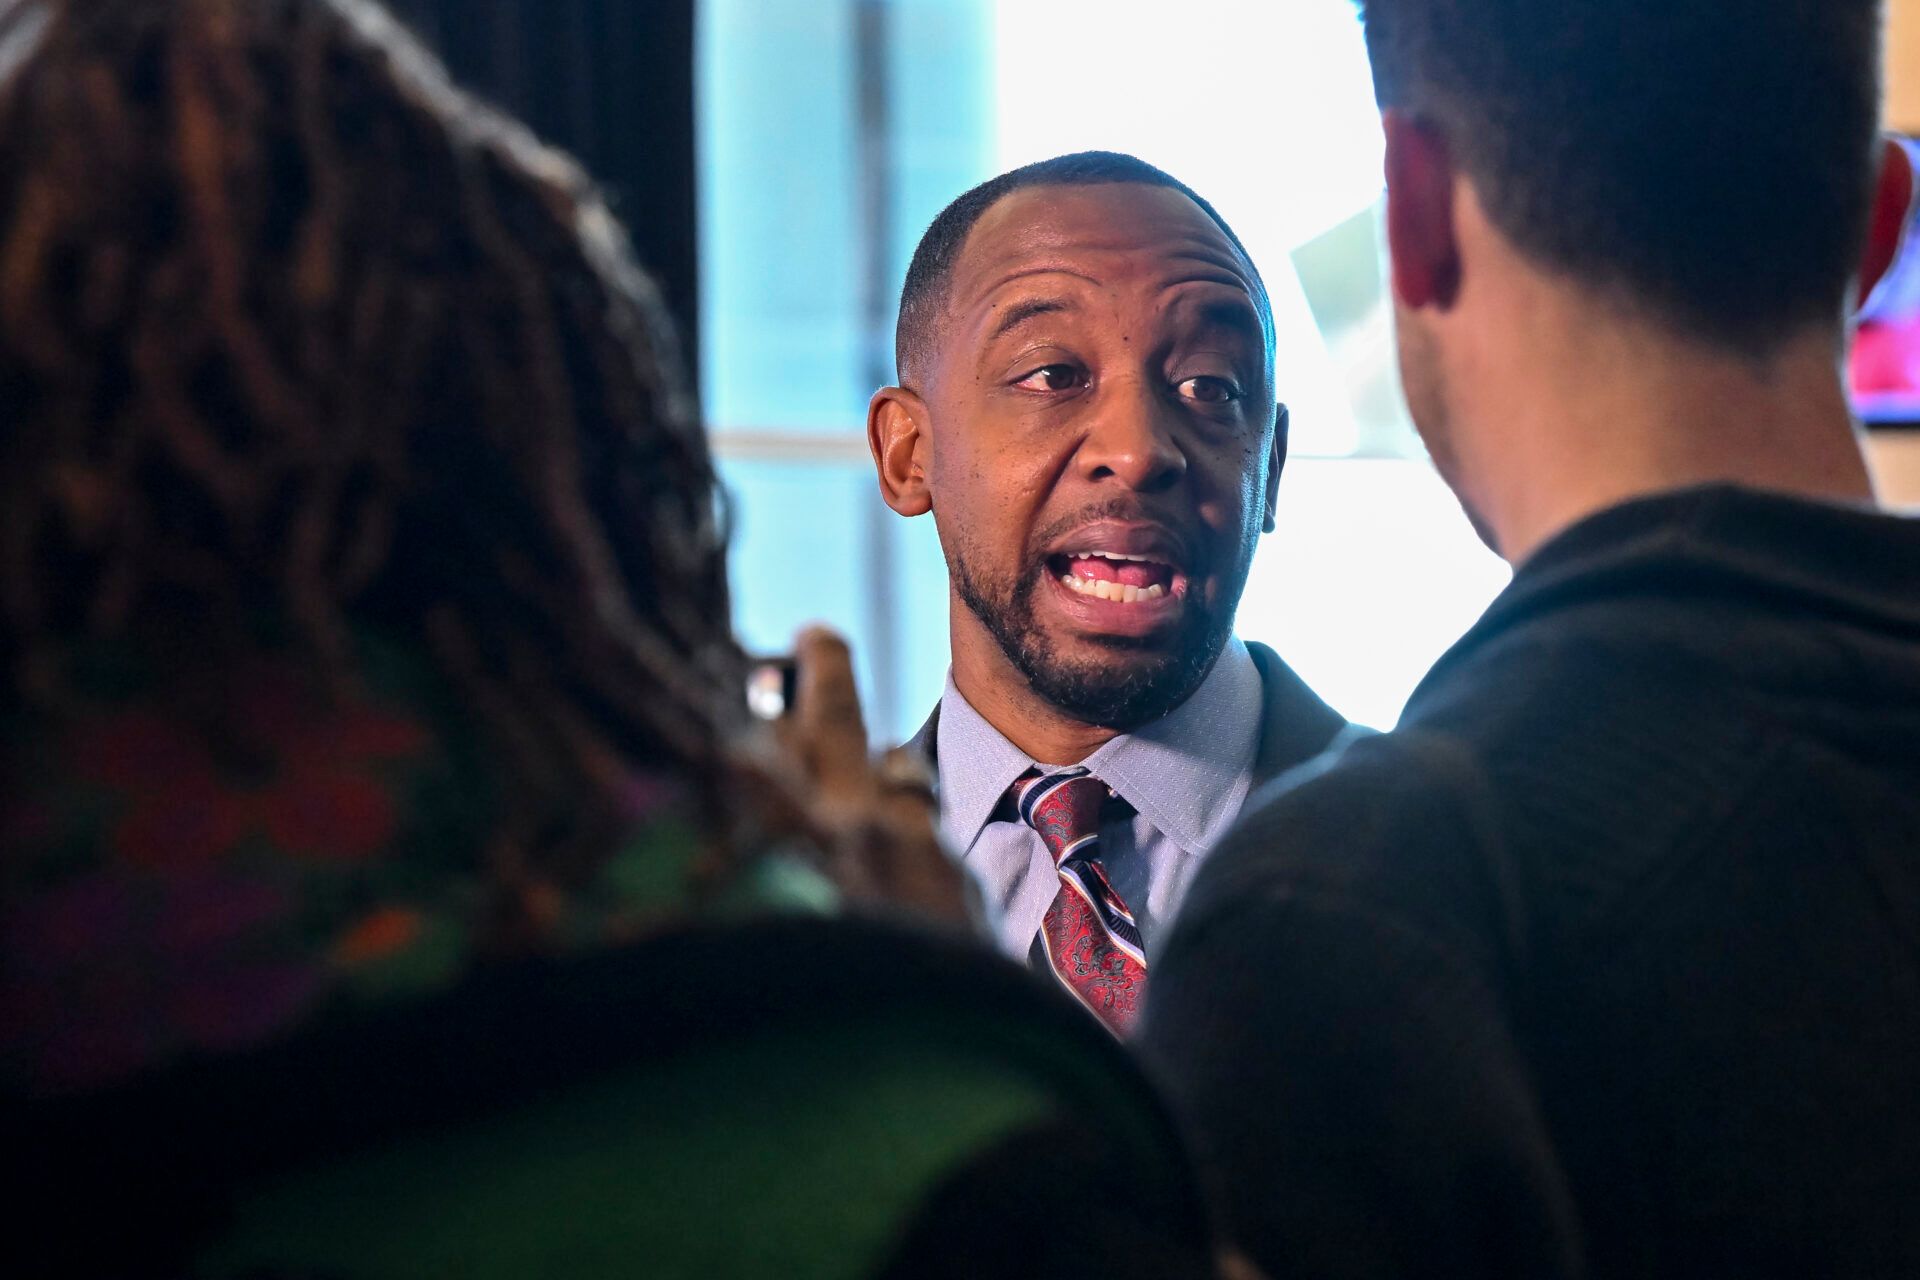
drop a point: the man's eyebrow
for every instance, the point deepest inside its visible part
(1028, 309)
(1238, 314)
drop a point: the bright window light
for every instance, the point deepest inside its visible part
(1276, 127)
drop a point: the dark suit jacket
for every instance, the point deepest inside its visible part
(1606, 962)
(1295, 724)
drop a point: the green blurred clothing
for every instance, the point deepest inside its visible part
(251, 1029)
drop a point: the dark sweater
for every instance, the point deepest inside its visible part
(1607, 961)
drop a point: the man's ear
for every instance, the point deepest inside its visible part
(1421, 244)
(897, 422)
(1892, 202)
(1274, 464)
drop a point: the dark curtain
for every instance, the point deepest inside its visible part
(610, 81)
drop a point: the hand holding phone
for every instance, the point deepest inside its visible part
(882, 816)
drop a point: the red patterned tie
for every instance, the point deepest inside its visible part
(1089, 937)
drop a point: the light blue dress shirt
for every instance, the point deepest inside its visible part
(1186, 776)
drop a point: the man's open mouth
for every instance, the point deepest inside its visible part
(1116, 576)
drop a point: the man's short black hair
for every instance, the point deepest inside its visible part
(1710, 161)
(923, 297)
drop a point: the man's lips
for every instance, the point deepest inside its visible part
(1108, 609)
(1107, 576)
(1131, 539)
(1119, 577)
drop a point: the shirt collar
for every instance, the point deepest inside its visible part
(976, 764)
(1185, 773)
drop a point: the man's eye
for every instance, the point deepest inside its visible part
(1054, 377)
(1209, 390)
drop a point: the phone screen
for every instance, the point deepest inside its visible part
(771, 685)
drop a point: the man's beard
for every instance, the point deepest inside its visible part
(1119, 694)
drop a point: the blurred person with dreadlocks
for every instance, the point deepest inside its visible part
(380, 812)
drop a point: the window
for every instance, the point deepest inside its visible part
(831, 132)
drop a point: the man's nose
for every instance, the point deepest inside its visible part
(1132, 439)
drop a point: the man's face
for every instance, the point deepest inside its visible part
(1424, 386)
(1423, 381)
(1103, 447)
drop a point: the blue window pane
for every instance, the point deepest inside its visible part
(779, 279)
(819, 128)
(813, 543)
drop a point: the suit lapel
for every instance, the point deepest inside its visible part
(1295, 724)
(924, 743)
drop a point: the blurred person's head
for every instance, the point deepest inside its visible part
(1086, 405)
(1647, 189)
(353, 500)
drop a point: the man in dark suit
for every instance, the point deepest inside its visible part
(1606, 962)
(1086, 406)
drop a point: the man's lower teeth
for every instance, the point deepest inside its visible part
(1101, 589)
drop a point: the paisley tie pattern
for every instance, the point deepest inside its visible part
(1088, 938)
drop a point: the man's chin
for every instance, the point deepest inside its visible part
(1101, 700)
(1118, 665)
(1119, 682)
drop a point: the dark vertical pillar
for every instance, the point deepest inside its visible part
(610, 81)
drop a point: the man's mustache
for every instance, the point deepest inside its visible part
(1191, 533)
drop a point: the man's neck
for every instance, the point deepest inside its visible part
(995, 688)
(1569, 412)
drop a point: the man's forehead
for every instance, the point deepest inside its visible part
(1092, 230)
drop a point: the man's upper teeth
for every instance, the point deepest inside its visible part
(1108, 555)
(1102, 589)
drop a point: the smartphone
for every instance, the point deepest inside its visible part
(772, 684)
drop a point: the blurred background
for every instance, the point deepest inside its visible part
(780, 158)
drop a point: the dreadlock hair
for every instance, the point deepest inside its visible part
(288, 325)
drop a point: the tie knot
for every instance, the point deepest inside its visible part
(1063, 807)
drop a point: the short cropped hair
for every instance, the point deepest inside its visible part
(923, 298)
(1708, 161)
